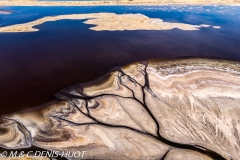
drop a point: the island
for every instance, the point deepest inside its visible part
(108, 22)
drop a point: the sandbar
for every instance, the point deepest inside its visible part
(5, 12)
(108, 22)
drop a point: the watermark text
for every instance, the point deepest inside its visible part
(49, 154)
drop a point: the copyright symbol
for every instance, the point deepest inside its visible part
(4, 154)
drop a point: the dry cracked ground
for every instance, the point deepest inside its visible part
(168, 109)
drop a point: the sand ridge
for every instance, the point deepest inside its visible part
(108, 22)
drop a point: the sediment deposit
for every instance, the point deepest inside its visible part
(166, 109)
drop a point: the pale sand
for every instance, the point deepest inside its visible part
(116, 2)
(108, 22)
(217, 27)
(5, 12)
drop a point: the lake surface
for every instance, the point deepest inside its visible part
(36, 65)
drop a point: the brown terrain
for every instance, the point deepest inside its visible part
(168, 109)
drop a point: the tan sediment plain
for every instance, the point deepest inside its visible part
(114, 2)
(108, 22)
(170, 109)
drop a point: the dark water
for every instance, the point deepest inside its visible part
(34, 66)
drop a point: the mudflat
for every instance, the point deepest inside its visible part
(169, 108)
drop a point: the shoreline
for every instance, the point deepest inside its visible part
(116, 2)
